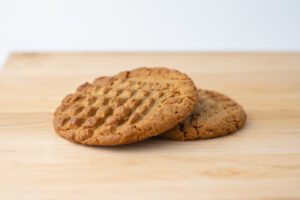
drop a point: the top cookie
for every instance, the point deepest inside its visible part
(214, 115)
(126, 108)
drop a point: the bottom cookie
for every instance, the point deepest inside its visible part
(215, 115)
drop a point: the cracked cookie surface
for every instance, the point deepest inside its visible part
(214, 115)
(126, 108)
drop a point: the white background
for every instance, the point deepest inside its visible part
(152, 25)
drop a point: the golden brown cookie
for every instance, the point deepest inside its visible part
(214, 115)
(126, 108)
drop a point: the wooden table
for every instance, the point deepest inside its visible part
(262, 161)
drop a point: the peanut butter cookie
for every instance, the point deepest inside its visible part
(214, 115)
(126, 108)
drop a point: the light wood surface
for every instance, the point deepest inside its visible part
(262, 161)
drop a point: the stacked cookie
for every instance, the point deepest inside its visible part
(135, 105)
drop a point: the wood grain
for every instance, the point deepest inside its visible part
(262, 161)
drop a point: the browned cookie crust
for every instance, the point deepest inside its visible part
(214, 115)
(126, 108)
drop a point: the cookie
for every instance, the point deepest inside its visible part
(214, 115)
(126, 108)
